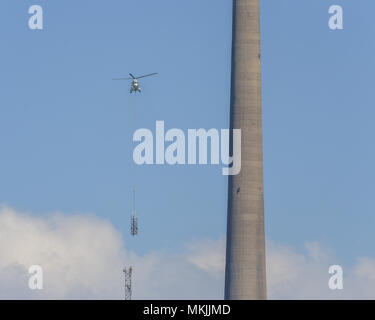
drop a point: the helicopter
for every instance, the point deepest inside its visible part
(135, 84)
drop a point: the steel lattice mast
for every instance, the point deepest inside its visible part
(128, 283)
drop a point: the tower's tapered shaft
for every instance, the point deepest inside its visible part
(245, 273)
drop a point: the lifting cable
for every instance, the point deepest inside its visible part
(133, 218)
(135, 128)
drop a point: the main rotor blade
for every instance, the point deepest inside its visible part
(122, 79)
(147, 75)
(131, 75)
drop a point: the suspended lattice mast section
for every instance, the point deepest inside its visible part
(134, 219)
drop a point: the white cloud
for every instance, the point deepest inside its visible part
(294, 275)
(304, 275)
(79, 255)
(208, 255)
(83, 256)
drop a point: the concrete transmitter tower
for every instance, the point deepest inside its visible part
(245, 273)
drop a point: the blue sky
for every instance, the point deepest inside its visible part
(66, 127)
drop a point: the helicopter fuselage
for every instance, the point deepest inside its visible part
(135, 86)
